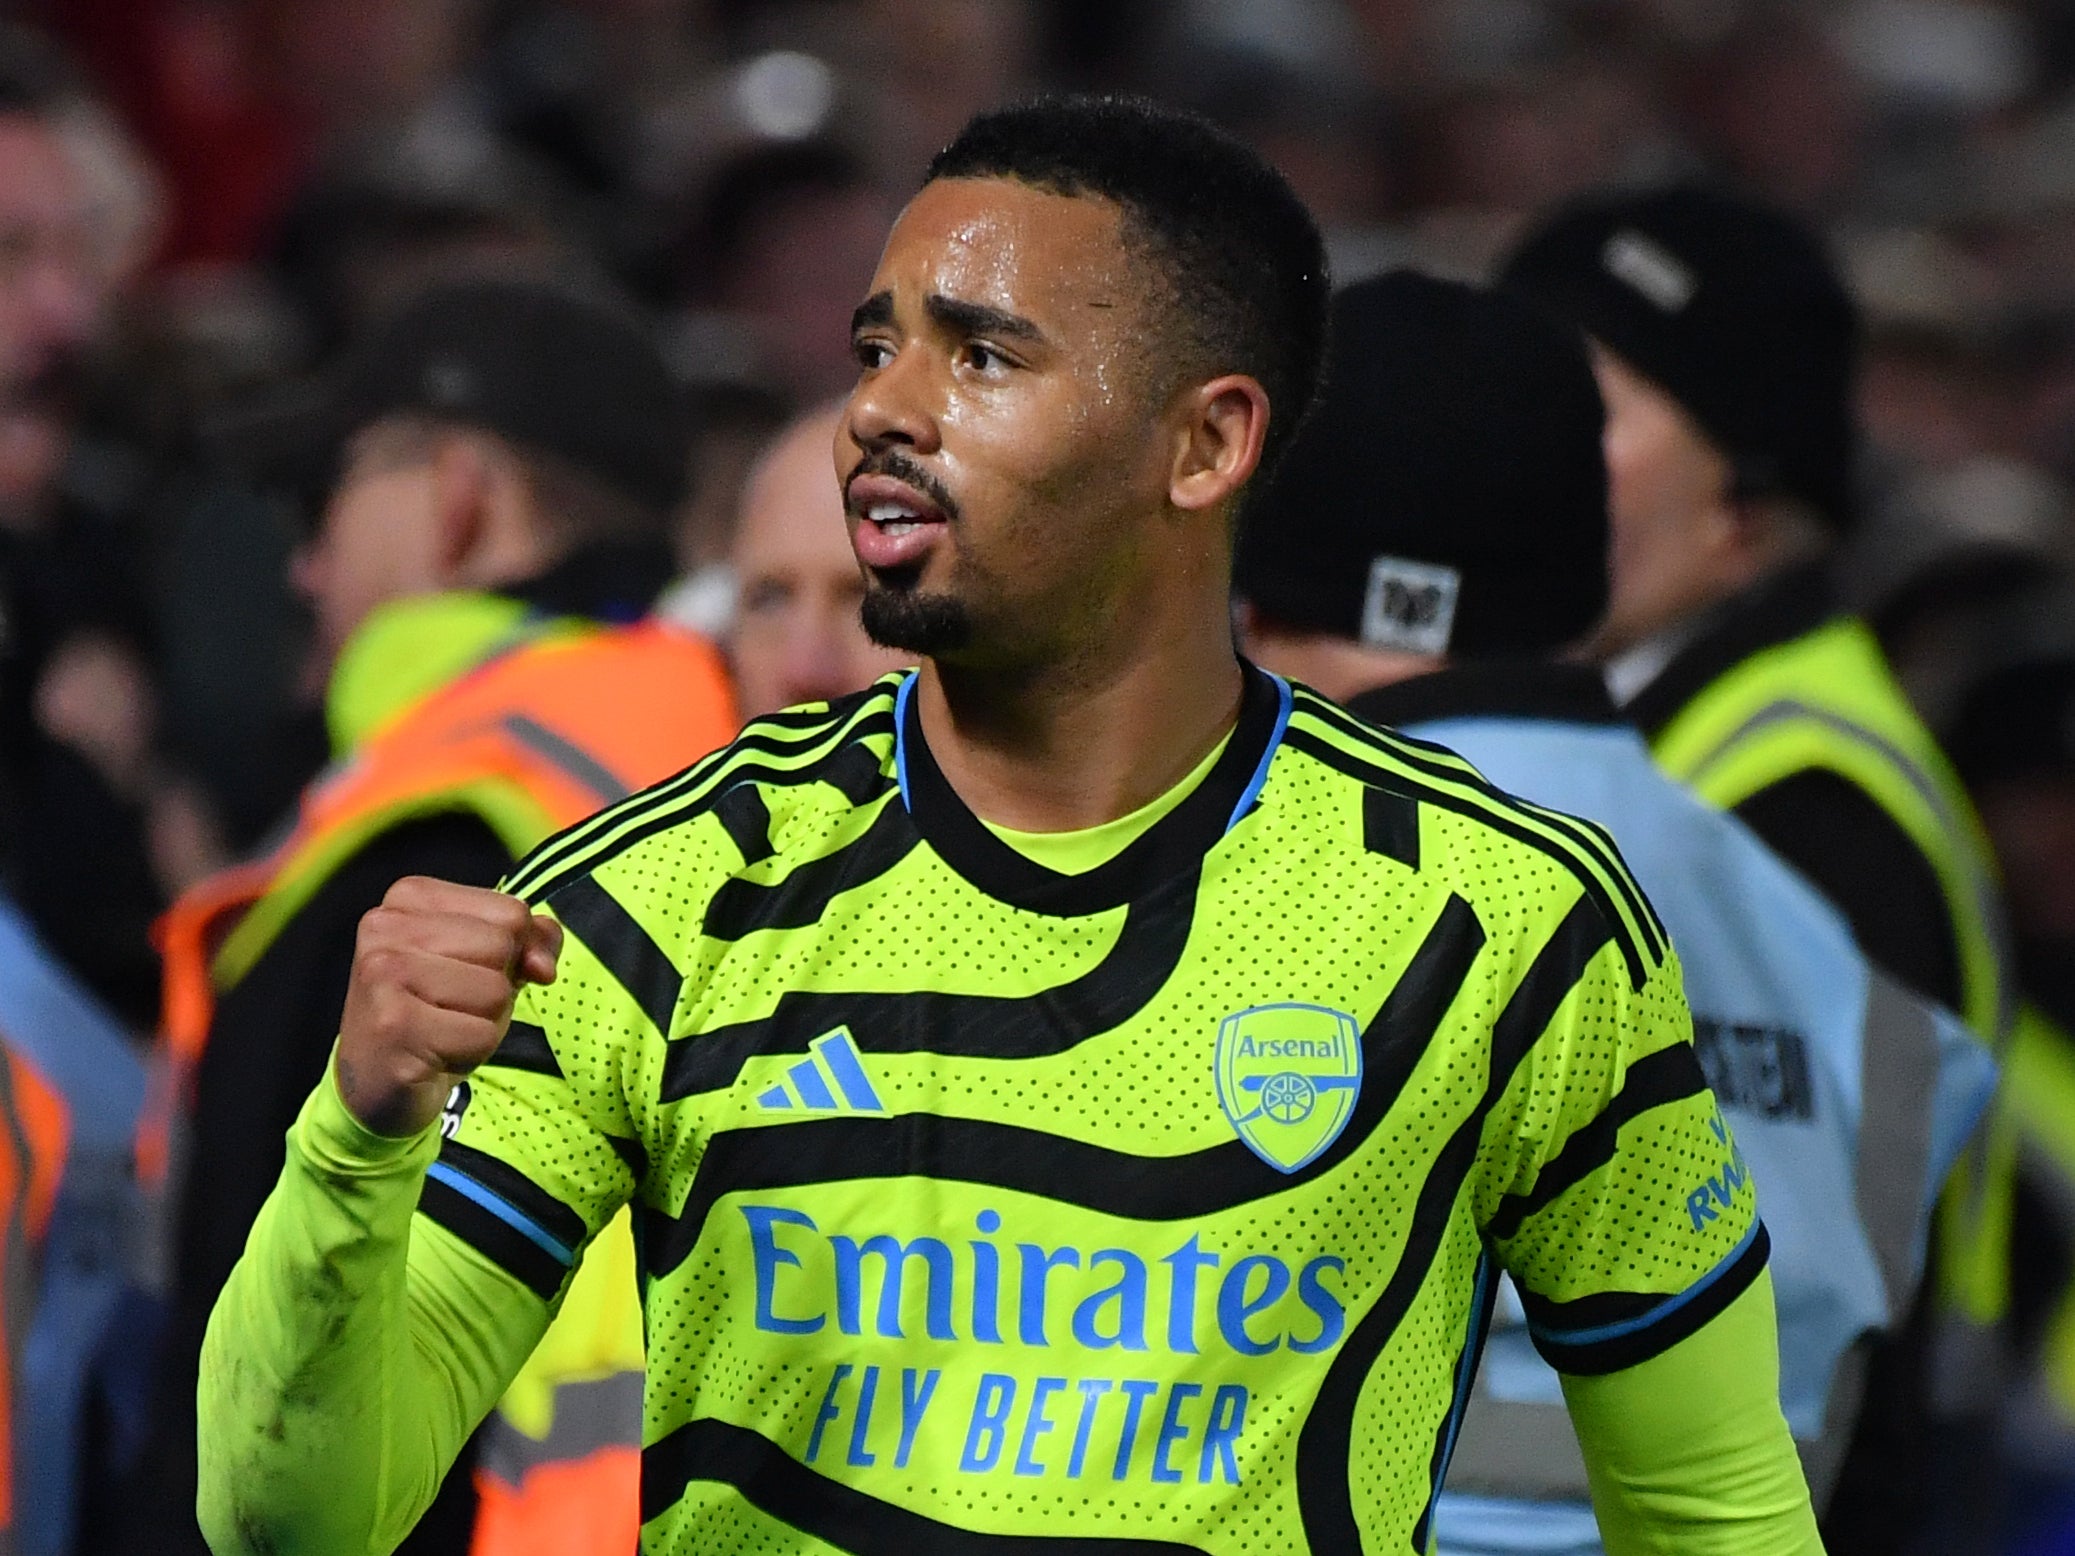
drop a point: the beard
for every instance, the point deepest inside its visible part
(913, 621)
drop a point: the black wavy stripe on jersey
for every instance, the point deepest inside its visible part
(1324, 1497)
(1061, 1168)
(553, 856)
(742, 907)
(1588, 836)
(525, 1047)
(1390, 826)
(1660, 1321)
(1667, 1075)
(1639, 961)
(623, 948)
(704, 784)
(1143, 957)
(1156, 927)
(852, 770)
(770, 1479)
(746, 819)
(777, 735)
(634, 1155)
(1174, 844)
(494, 1238)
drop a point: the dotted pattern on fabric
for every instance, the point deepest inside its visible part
(1048, 1352)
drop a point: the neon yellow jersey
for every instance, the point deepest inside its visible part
(1157, 1205)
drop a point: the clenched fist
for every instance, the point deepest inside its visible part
(435, 970)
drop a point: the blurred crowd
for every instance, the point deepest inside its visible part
(252, 182)
(204, 203)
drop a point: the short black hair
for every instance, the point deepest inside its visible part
(1250, 289)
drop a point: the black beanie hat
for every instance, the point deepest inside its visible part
(1732, 307)
(562, 370)
(1447, 495)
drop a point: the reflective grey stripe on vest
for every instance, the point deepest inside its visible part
(1898, 1087)
(565, 756)
(1987, 903)
(590, 1415)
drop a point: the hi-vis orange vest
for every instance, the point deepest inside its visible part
(34, 1126)
(545, 723)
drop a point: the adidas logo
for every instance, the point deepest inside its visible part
(831, 1079)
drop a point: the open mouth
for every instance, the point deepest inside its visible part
(895, 519)
(897, 526)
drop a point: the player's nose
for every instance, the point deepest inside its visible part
(893, 406)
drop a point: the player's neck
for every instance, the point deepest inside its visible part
(1074, 747)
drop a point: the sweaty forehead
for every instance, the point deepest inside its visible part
(1058, 260)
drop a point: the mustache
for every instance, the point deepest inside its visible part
(902, 467)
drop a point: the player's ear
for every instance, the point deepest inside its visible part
(461, 470)
(1218, 447)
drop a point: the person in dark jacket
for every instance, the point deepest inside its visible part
(506, 456)
(1726, 350)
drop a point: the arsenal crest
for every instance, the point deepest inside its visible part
(1288, 1076)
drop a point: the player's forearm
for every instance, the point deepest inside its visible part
(1688, 1452)
(343, 1368)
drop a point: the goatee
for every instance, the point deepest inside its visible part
(915, 622)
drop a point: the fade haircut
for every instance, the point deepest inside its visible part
(1246, 286)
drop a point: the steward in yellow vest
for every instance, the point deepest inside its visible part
(507, 457)
(1726, 350)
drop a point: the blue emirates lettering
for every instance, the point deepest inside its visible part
(861, 1403)
(1166, 1433)
(1110, 1299)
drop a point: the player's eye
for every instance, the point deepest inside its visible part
(983, 358)
(871, 353)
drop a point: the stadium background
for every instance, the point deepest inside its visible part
(276, 172)
(735, 164)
